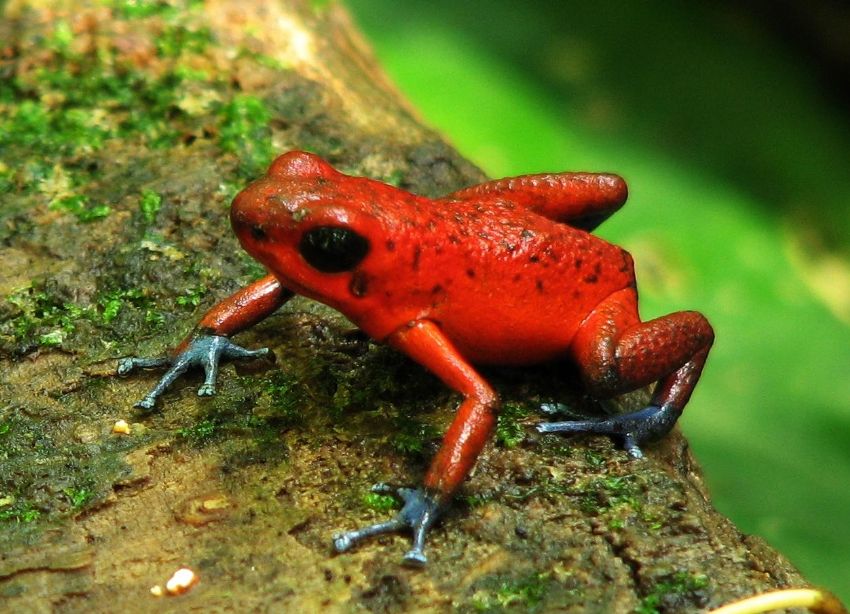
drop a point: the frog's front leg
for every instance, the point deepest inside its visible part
(616, 353)
(425, 343)
(209, 341)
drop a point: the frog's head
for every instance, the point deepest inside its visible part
(315, 228)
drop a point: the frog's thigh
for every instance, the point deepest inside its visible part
(616, 352)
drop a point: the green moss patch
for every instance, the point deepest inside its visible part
(671, 594)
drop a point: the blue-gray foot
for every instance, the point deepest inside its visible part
(633, 429)
(419, 512)
(204, 351)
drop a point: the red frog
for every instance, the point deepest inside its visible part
(505, 272)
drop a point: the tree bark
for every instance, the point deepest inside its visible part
(129, 126)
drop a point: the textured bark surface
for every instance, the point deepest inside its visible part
(183, 103)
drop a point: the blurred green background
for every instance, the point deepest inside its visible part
(736, 151)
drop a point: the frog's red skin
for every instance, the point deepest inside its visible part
(505, 272)
(490, 274)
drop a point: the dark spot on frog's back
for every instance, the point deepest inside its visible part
(592, 278)
(390, 245)
(417, 254)
(539, 285)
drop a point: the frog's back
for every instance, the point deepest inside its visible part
(509, 286)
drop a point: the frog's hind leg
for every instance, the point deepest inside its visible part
(616, 353)
(582, 200)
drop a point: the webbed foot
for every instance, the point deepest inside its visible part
(633, 429)
(419, 512)
(205, 351)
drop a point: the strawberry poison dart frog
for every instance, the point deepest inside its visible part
(506, 272)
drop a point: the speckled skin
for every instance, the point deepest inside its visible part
(506, 285)
(506, 272)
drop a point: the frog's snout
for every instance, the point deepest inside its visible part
(262, 203)
(243, 213)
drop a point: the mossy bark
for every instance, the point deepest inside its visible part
(125, 129)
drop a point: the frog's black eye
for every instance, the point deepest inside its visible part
(332, 249)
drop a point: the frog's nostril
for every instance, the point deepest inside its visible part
(258, 232)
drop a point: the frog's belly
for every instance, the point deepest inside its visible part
(491, 338)
(525, 352)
